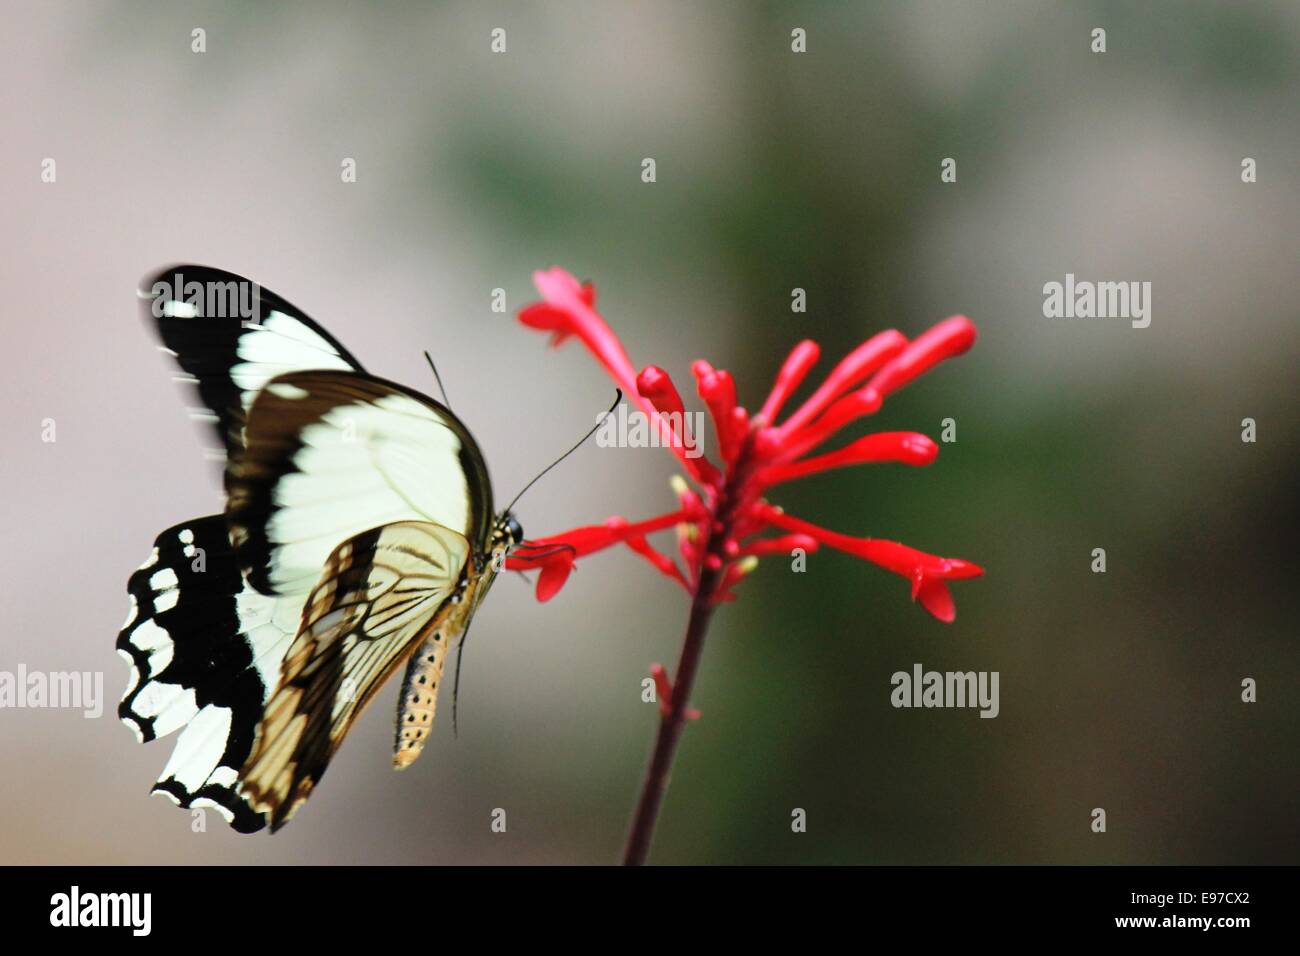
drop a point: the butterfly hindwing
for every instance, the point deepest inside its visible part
(372, 607)
(204, 650)
(232, 336)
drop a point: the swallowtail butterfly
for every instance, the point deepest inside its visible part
(358, 536)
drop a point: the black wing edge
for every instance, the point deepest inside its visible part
(208, 349)
(209, 653)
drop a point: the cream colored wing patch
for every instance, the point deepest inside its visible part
(329, 455)
(371, 609)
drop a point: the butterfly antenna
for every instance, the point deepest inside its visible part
(460, 651)
(618, 397)
(437, 378)
(455, 684)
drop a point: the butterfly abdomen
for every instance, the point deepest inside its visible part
(419, 698)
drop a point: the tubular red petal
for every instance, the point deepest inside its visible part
(782, 544)
(588, 539)
(567, 310)
(739, 426)
(669, 415)
(948, 338)
(735, 572)
(793, 371)
(934, 596)
(851, 371)
(921, 569)
(664, 564)
(656, 386)
(555, 555)
(908, 448)
(554, 573)
(856, 404)
(718, 390)
(546, 318)
(572, 314)
(715, 386)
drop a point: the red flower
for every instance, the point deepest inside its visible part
(721, 521)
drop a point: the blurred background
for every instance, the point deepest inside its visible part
(775, 170)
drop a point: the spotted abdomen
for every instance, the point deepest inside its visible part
(419, 698)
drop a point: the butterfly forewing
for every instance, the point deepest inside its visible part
(231, 336)
(331, 454)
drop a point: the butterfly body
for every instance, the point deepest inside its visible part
(358, 536)
(419, 694)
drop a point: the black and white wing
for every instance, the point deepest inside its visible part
(204, 651)
(353, 507)
(376, 600)
(231, 336)
(329, 455)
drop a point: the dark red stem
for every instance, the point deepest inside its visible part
(670, 725)
(703, 602)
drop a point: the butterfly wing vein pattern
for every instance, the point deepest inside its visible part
(377, 597)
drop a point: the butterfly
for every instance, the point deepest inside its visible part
(358, 536)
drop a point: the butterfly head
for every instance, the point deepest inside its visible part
(512, 529)
(507, 534)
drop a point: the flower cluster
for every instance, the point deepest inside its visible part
(723, 520)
